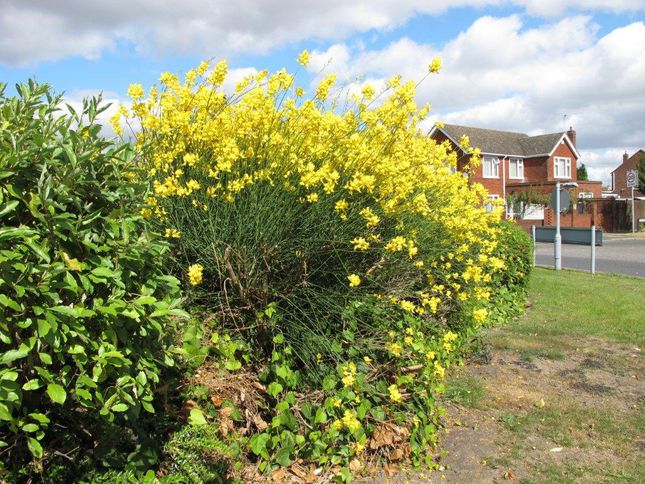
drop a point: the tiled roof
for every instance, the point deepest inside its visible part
(504, 142)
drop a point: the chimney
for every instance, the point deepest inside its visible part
(625, 157)
(571, 134)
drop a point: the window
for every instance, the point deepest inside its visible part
(516, 168)
(489, 206)
(491, 167)
(561, 167)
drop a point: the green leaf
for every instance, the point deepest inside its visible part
(9, 207)
(43, 327)
(35, 448)
(196, 417)
(258, 444)
(9, 303)
(283, 456)
(39, 251)
(103, 272)
(5, 414)
(32, 384)
(45, 358)
(274, 389)
(119, 407)
(12, 355)
(39, 417)
(57, 393)
(30, 427)
(321, 416)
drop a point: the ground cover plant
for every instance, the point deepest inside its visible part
(336, 265)
(85, 301)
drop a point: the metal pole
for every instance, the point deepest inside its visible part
(558, 238)
(534, 245)
(593, 249)
(633, 212)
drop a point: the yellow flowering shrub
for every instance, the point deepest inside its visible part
(342, 216)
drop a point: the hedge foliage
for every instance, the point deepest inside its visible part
(85, 301)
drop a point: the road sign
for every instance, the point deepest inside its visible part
(632, 178)
(565, 200)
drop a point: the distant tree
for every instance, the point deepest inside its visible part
(581, 173)
(641, 173)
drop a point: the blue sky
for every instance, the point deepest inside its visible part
(518, 65)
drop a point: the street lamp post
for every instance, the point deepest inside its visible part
(558, 238)
(557, 249)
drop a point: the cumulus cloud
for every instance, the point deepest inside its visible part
(40, 30)
(499, 75)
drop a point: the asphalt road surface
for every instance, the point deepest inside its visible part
(619, 254)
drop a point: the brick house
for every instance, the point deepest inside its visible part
(619, 175)
(515, 162)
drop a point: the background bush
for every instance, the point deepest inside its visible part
(84, 326)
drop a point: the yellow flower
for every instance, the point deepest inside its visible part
(439, 370)
(480, 315)
(350, 421)
(195, 274)
(395, 394)
(303, 58)
(367, 360)
(408, 340)
(360, 243)
(172, 233)
(337, 402)
(396, 244)
(312, 197)
(435, 65)
(348, 380)
(407, 306)
(431, 355)
(135, 91)
(450, 336)
(395, 349)
(354, 280)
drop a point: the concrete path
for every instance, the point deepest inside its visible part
(620, 254)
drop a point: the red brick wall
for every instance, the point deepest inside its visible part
(620, 176)
(535, 169)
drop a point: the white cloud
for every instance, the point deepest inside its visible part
(38, 30)
(501, 76)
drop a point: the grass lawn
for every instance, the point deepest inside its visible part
(577, 303)
(565, 386)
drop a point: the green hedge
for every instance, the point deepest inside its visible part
(84, 301)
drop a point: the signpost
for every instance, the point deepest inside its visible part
(632, 182)
(559, 202)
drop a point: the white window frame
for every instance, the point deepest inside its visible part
(489, 205)
(566, 167)
(493, 162)
(520, 168)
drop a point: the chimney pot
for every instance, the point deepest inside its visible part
(625, 157)
(571, 134)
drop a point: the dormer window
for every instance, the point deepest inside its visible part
(491, 167)
(561, 167)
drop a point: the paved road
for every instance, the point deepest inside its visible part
(619, 254)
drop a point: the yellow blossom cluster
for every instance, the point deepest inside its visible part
(349, 374)
(203, 144)
(195, 274)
